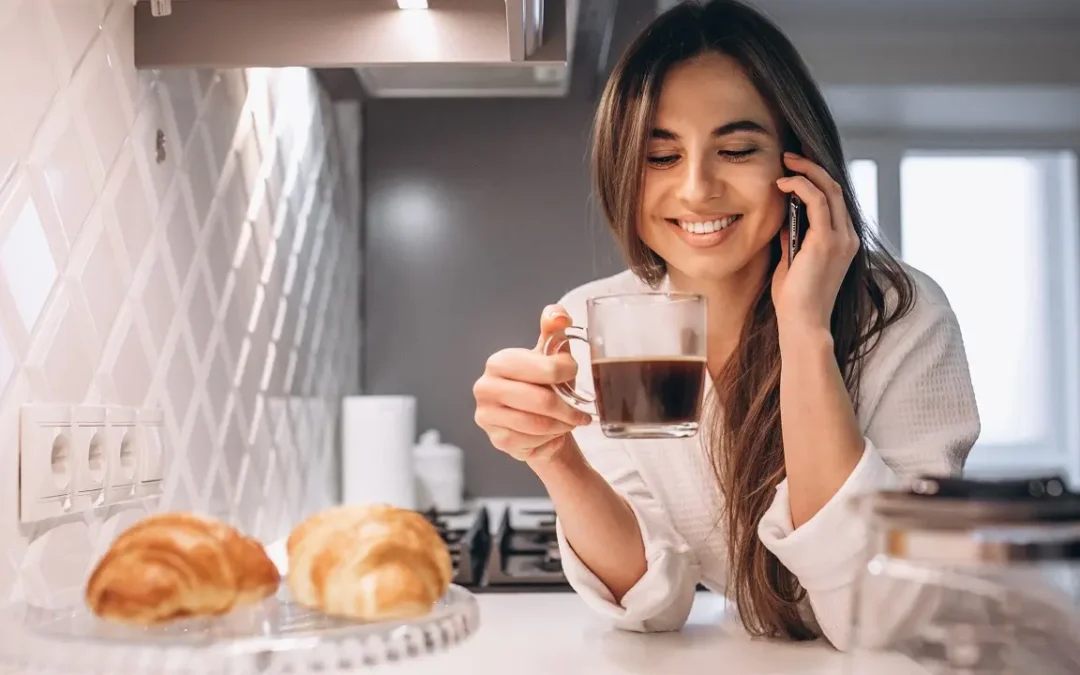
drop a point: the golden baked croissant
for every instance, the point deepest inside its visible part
(371, 563)
(174, 565)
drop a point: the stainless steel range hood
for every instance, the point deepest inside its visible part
(540, 48)
(452, 48)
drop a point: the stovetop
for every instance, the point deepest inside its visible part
(508, 548)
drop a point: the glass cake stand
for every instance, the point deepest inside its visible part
(276, 636)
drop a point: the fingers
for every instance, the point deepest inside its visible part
(824, 188)
(533, 367)
(817, 205)
(521, 422)
(553, 320)
(830, 223)
(515, 402)
(530, 398)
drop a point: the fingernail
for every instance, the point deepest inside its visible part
(792, 155)
(554, 314)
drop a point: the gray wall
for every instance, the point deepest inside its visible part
(478, 215)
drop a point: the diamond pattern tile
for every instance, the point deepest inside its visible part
(6, 363)
(68, 365)
(127, 195)
(61, 555)
(103, 281)
(198, 172)
(26, 68)
(131, 370)
(180, 382)
(76, 25)
(201, 311)
(161, 311)
(209, 274)
(59, 169)
(28, 264)
(98, 88)
(182, 94)
(179, 234)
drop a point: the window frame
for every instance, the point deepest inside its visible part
(1062, 453)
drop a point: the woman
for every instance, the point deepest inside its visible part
(844, 373)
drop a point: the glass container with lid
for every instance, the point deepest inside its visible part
(973, 576)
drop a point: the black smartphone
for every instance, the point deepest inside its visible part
(797, 221)
(797, 225)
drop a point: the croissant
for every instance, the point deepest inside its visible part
(371, 563)
(173, 565)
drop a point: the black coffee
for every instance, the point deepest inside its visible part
(649, 391)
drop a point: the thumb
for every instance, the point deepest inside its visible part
(553, 321)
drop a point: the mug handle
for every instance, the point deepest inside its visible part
(553, 345)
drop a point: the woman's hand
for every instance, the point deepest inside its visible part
(515, 404)
(805, 293)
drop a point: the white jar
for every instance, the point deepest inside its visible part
(440, 473)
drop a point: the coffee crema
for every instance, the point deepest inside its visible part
(649, 390)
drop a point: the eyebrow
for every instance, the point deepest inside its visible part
(718, 132)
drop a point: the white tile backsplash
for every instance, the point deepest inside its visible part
(26, 259)
(209, 274)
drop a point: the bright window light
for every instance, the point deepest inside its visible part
(412, 4)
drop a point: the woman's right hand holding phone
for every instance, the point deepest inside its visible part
(515, 403)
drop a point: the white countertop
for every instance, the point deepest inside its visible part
(556, 634)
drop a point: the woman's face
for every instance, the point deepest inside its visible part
(710, 205)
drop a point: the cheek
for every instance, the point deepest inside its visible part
(653, 190)
(760, 193)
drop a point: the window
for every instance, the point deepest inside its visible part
(998, 232)
(865, 182)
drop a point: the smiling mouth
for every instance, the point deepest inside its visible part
(705, 226)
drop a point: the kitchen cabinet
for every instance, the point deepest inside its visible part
(449, 48)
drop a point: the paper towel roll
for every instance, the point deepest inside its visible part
(377, 436)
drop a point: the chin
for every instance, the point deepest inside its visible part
(710, 271)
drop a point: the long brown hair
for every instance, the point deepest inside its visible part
(745, 441)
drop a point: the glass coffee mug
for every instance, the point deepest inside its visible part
(648, 363)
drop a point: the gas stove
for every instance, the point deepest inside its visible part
(503, 547)
(468, 537)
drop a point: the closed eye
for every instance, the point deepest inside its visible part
(736, 155)
(663, 160)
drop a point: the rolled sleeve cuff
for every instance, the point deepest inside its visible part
(661, 599)
(828, 550)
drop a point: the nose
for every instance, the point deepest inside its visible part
(699, 182)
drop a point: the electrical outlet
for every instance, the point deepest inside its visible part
(151, 423)
(72, 459)
(125, 452)
(47, 462)
(89, 447)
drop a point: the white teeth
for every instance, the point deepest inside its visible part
(707, 227)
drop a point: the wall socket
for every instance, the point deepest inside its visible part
(76, 458)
